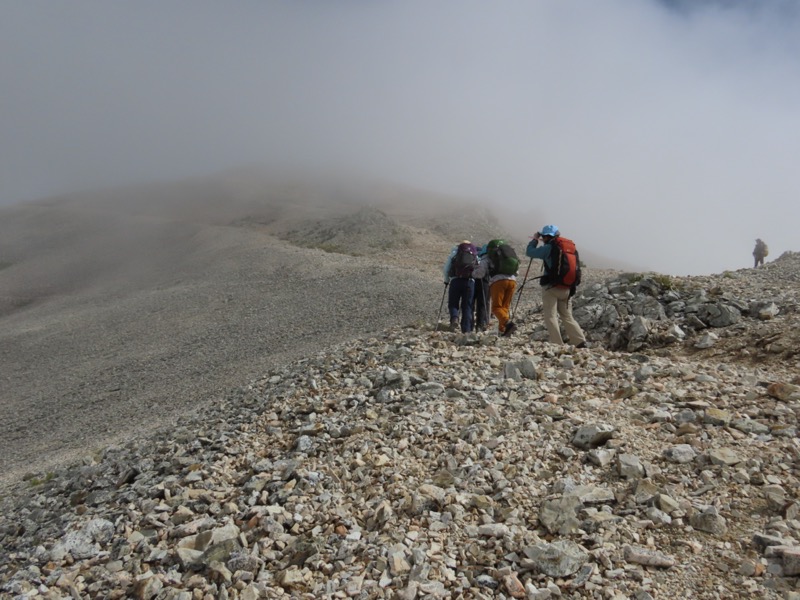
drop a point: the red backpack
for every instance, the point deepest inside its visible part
(566, 264)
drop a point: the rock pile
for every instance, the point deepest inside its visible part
(633, 312)
(424, 464)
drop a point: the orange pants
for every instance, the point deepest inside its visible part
(502, 292)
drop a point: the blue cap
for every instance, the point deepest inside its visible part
(551, 230)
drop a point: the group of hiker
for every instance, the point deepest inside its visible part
(479, 277)
(482, 279)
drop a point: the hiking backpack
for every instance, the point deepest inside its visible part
(502, 258)
(566, 264)
(465, 261)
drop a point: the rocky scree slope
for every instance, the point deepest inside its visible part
(124, 310)
(425, 464)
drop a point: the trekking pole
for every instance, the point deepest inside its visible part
(439, 315)
(519, 292)
(487, 314)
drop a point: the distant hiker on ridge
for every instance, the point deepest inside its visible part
(458, 273)
(501, 264)
(760, 252)
(562, 275)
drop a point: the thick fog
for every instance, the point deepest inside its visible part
(664, 133)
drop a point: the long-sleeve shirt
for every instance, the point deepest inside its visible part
(448, 262)
(541, 252)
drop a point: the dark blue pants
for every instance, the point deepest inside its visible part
(481, 302)
(460, 297)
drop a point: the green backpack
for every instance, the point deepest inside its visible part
(502, 258)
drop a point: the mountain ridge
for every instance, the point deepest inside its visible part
(235, 414)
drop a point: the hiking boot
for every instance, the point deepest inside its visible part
(510, 329)
(454, 324)
(582, 345)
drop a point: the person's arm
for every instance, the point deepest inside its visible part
(446, 270)
(535, 251)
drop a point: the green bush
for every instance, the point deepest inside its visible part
(665, 281)
(36, 481)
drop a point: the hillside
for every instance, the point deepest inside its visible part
(126, 308)
(424, 464)
(250, 400)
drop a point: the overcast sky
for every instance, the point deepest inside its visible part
(665, 132)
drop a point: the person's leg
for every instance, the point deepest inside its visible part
(574, 331)
(480, 304)
(549, 307)
(508, 293)
(466, 305)
(497, 291)
(508, 299)
(453, 297)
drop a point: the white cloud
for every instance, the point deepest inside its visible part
(650, 131)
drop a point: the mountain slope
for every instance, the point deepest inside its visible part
(127, 306)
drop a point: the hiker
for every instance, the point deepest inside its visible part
(760, 252)
(561, 277)
(500, 264)
(481, 298)
(458, 273)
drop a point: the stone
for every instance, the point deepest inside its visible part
(716, 416)
(680, 454)
(750, 426)
(593, 435)
(710, 521)
(666, 503)
(601, 456)
(513, 585)
(707, 340)
(646, 556)
(764, 310)
(637, 333)
(592, 494)
(148, 588)
(560, 515)
(719, 315)
(724, 457)
(775, 495)
(645, 490)
(763, 540)
(785, 392)
(291, 578)
(658, 517)
(511, 371)
(240, 561)
(494, 530)
(791, 562)
(629, 466)
(527, 369)
(561, 558)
